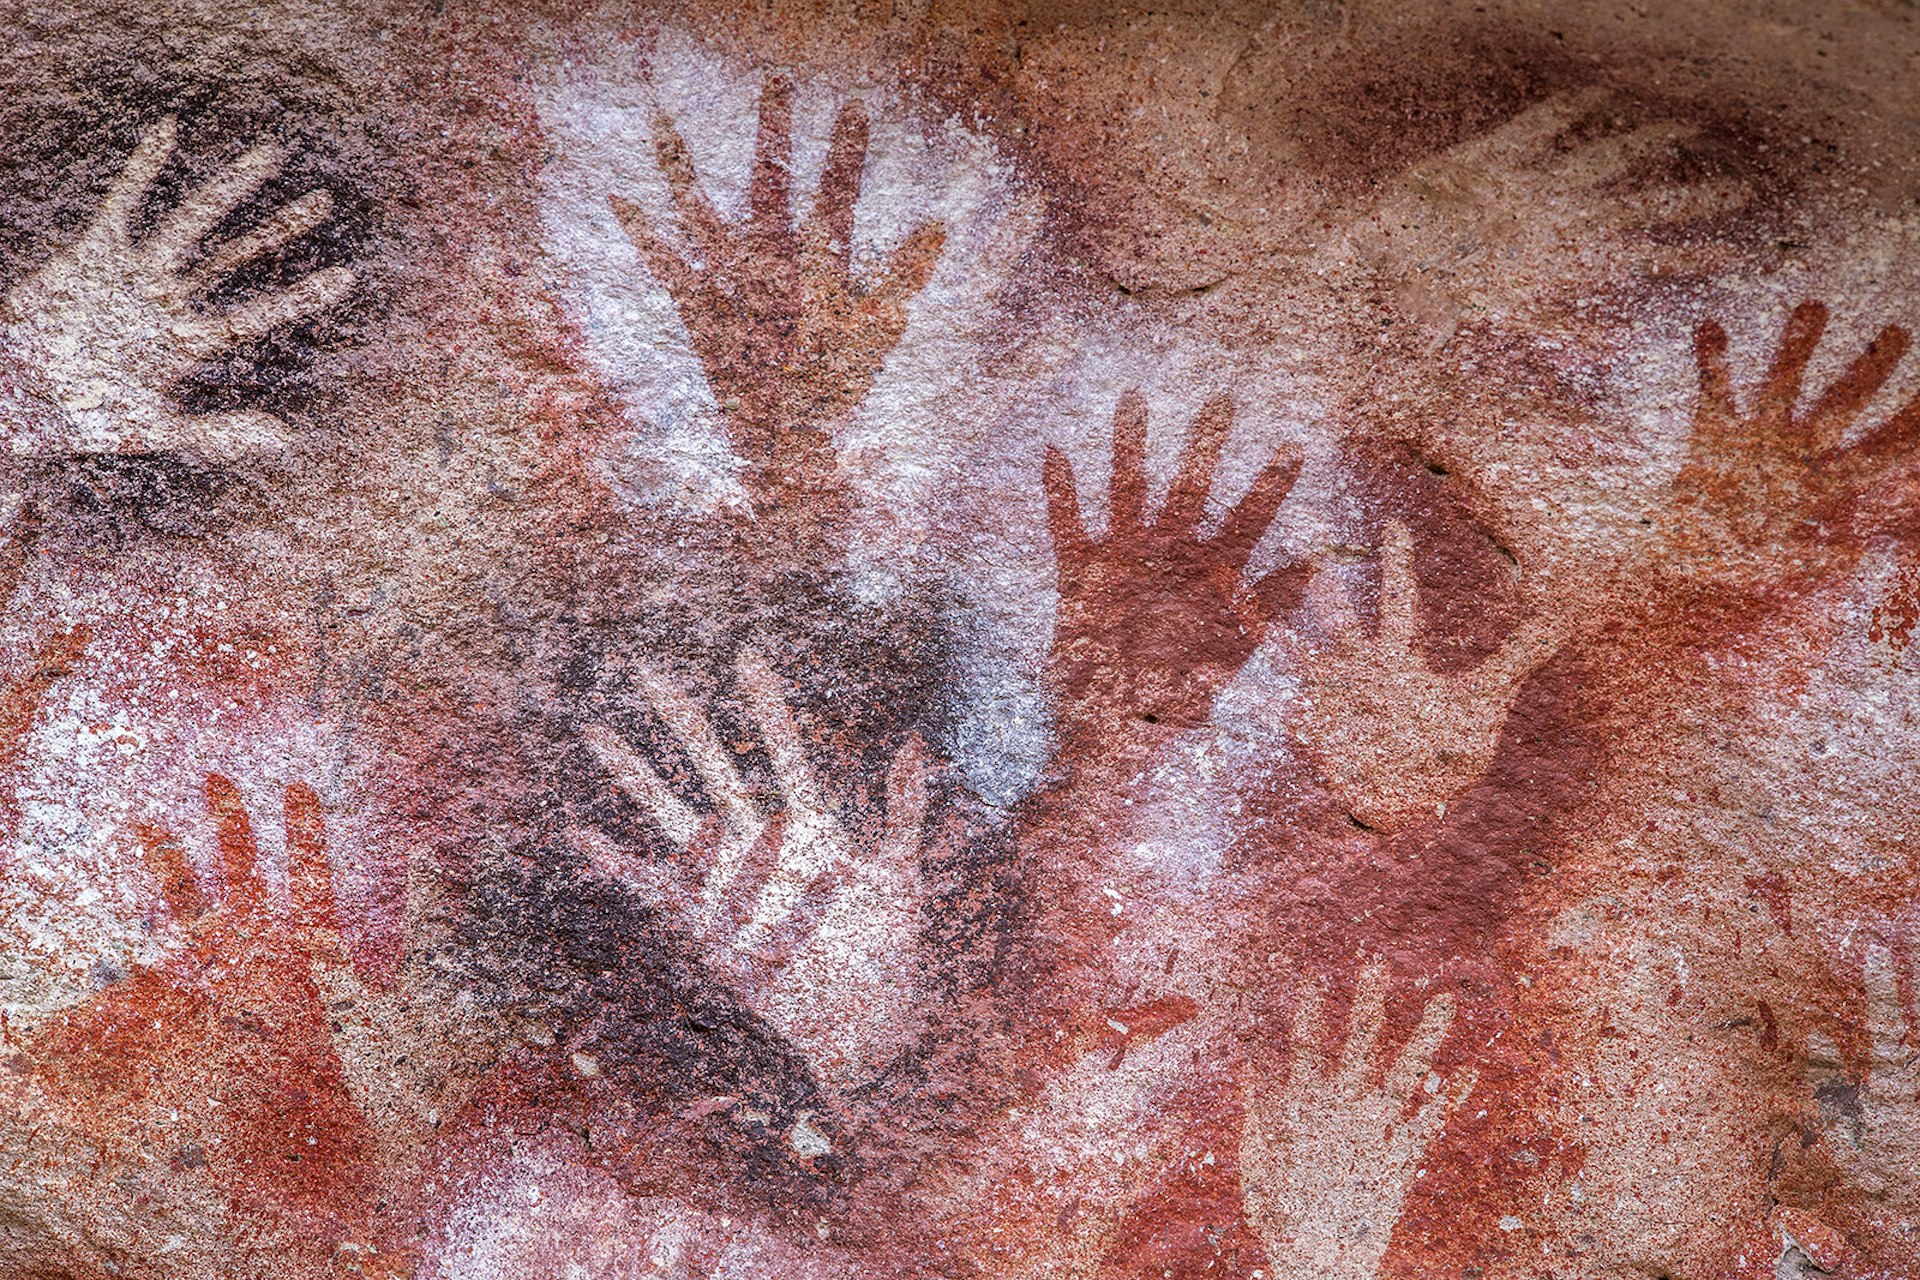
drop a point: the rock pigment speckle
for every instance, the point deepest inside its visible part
(960, 640)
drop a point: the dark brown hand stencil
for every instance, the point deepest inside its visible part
(1779, 481)
(790, 338)
(1155, 619)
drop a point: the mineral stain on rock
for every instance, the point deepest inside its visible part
(962, 640)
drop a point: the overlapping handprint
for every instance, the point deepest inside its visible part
(1488, 229)
(112, 322)
(810, 913)
(789, 334)
(807, 904)
(226, 1047)
(1392, 737)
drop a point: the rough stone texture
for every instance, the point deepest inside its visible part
(960, 640)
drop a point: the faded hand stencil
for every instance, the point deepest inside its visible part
(1396, 739)
(1255, 643)
(111, 323)
(816, 925)
(1328, 1157)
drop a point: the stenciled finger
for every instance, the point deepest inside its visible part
(634, 775)
(660, 258)
(1063, 508)
(1676, 259)
(775, 944)
(20, 705)
(309, 870)
(164, 857)
(1257, 1099)
(1250, 518)
(286, 224)
(1307, 1060)
(1605, 159)
(1127, 487)
(21, 696)
(1886, 1016)
(1433, 1112)
(840, 182)
(702, 226)
(218, 437)
(24, 532)
(1460, 1088)
(257, 317)
(181, 231)
(1780, 391)
(906, 802)
(1716, 409)
(1530, 133)
(700, 854)
(1399, 591)
(58, 654)
(769, 188)
(1332, 602)
(1842, 403)
(1416, 1059)
(659, 884)
(1895, 440)
(767, 695)
(744, 890)
(246, 890)
(1523, 653)
(150, 156)
(711, 759)
(1681, 203)
(1187, 496)
(1363, 1026)
(910, 267)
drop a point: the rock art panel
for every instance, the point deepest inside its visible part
(959, 640)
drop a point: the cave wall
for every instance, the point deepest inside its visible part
(959, 639)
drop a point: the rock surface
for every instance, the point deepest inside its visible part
(959, 640)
